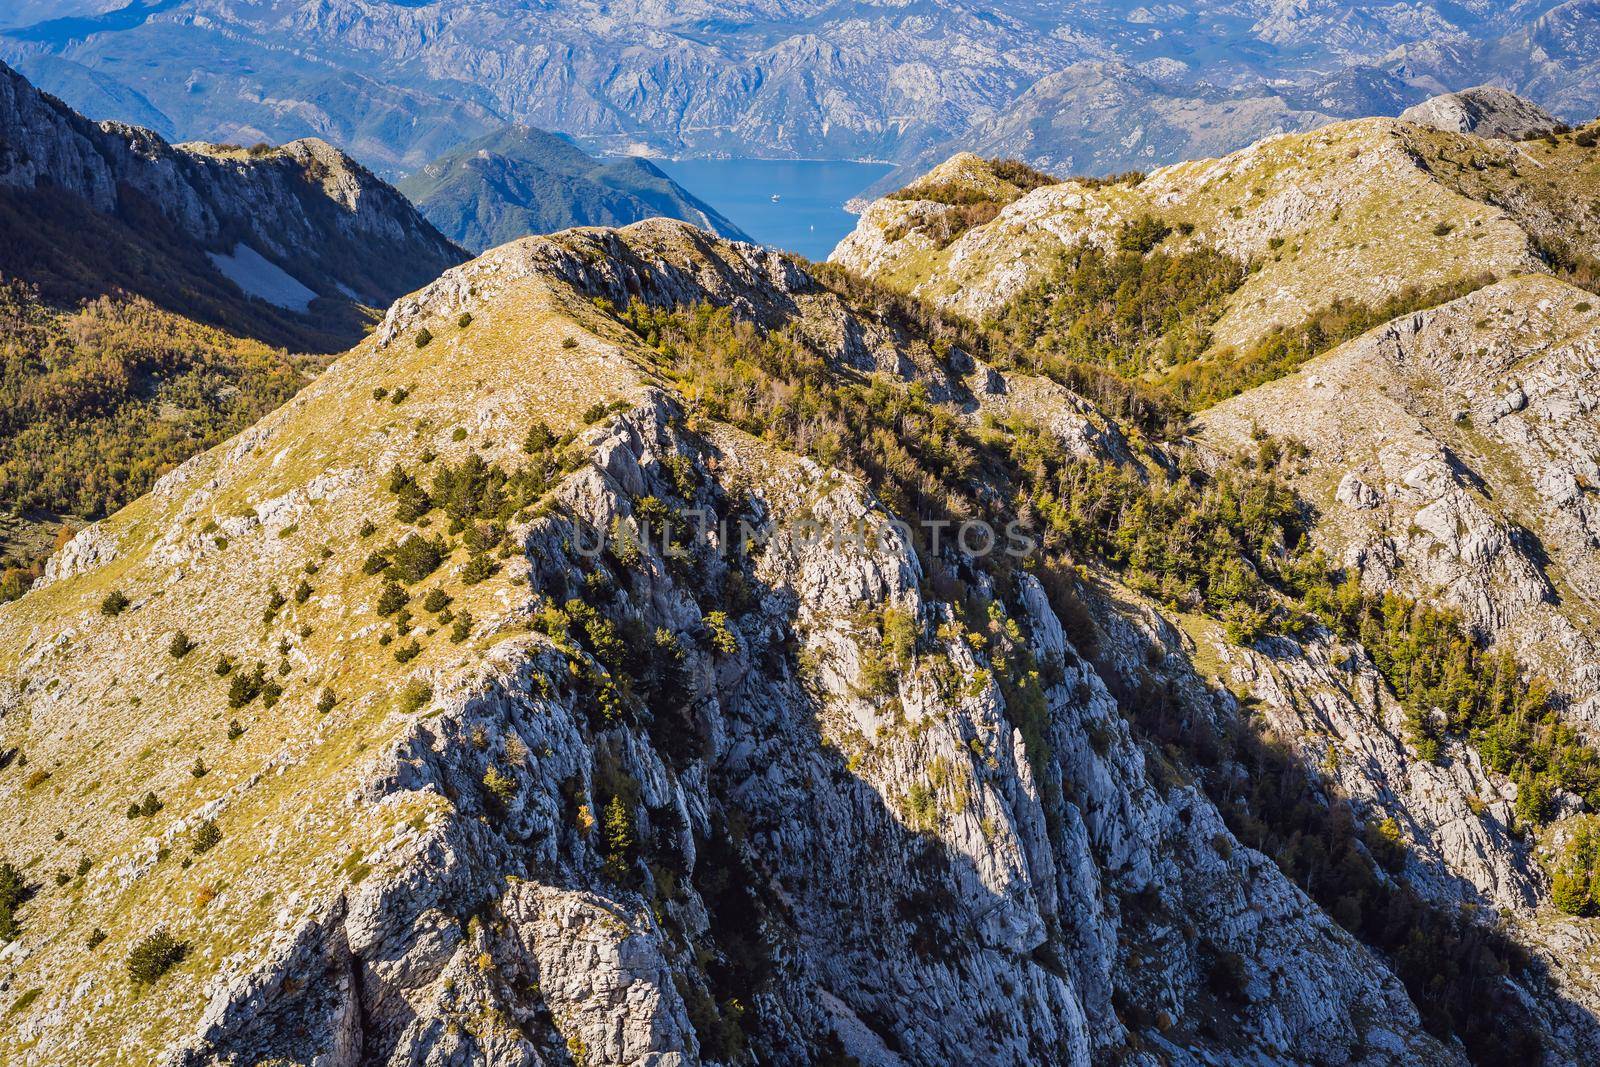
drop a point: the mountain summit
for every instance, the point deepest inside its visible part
(283, 243)
(1486, 110)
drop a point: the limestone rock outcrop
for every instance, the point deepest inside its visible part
(1484, 110)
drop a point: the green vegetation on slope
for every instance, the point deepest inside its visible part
(976, 198)
(1230, 544)
(1145, 314)
(1135, 311)
(1550, 185)
(1228, 371)
(96, 404)
(1451, 686)
(1575, 878)
(13, 891)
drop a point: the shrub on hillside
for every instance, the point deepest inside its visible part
(414, 695)
(154, 956)
(245, 686)
(540, 439)
(721, 635)
(1575, 877)
(392, 598)
(206, 837)
(13, 891)
(479, 567)
(417, 557)
(275, 601)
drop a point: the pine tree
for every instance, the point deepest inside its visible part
(619, 839)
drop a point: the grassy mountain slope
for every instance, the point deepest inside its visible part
(1206, 278)
(1213, 278)
(1402, 320)
(519, 181)
(261, 513)
(1345, 211)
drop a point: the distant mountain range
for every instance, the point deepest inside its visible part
(1084, 85)
(520, 180)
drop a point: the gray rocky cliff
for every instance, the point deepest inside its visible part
(1463, 467)
(308, 208)
(1000, 925)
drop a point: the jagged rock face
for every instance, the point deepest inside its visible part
(889, 875)
(1486, 110)
(306, 207)
(1447, 451)
(835, 851)
(1471, 434)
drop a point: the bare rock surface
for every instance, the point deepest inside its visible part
(1484, 110)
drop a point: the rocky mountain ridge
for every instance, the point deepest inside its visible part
(1301, 210)
(1445, 453)
(309, 211)
(449, 822)
(1485, 110)
(1029, 903)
